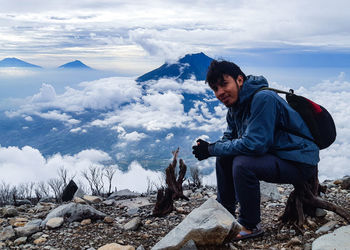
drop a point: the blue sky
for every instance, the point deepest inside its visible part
(135, 37)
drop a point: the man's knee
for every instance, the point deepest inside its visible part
(241, 165)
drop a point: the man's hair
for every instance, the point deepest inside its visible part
(218, 69)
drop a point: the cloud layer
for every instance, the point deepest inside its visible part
(135, 35)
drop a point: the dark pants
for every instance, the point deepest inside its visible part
(238, 181)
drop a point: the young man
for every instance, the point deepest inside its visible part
(255, 146)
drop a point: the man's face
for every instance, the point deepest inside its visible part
(227, 91)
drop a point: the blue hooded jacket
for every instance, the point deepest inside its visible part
(253, 127)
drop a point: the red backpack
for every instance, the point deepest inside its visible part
(316, 117)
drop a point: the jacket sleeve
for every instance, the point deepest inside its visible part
(230, 132)
(259, 134)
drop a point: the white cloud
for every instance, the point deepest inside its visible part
(169, 136)
(133, 136)
(28, 118)
(22, 165)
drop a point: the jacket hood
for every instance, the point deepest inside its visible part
(250, 86)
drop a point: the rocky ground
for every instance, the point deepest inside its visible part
(129, 221)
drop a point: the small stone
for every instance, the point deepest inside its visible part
(26, 231)
(140, 248)
(20, 241)
(36, 235)
(40, 241)
(133, 211)
(190, 245)
(311, 223)
(85, 222)
(108, 219)
(10, 212)
(326, 227)
(92, 199)
(147, 222)
(320, 212)
(346, 183)
(115, 246)
(133, 224)
(180, 210)
(19, 224)
(294, 241)
(79, 200)
(54, 222)
(337, 182)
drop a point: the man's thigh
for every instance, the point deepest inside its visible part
(268, 168)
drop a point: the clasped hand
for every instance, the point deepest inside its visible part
(200, 150)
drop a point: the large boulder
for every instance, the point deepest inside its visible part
(74, 212)
(69, 191)
(209, 224)
(339, 239)
(269, 191)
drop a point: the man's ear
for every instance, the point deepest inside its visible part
(240, 80)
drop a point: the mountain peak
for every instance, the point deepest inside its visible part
(190, 65)
(74, 65)
(15, 62)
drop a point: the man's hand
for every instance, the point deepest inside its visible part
(200, 151)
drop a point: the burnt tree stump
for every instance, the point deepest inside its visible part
(173, 191)
(304, 200)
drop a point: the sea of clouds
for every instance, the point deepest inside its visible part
(132, 110)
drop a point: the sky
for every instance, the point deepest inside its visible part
(133, 37)
(286, 41)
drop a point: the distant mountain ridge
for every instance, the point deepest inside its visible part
(74, 65)
(190, 65)
(14, 62)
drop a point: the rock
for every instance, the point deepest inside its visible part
(320, 212)
(74, 212)
(140, 248)
(190, 245)
(326, 227)
(19, 224)
(26, 231)
(122, 194)
(209, 224)
(269, 191)
(294, 241)
(92, 199)
(346, 183)
(7, 233)
(79, 193)
(9, 212)
(40, 241)
(338, 182)
(339, 239)
(108, 219)
(23, 202)
(85, 222)
(79, 200)
(110, 202)
(133, 224)
(36, 222)
(54, 222)
(133, 211)
(20, 241)
(115, 246)
(36, 235)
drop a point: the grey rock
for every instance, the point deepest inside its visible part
(209, 224)
(74, 212)
(133, 211)
(133, 224)
(36, 222)
(92, 199)
(140, 248)
(190, 245)
(326, 227)
(320, 212)
(269, 191)
(20, 241)
(125, 193)
(109, 202)
(26, 230)
(7, 233)
(37, 235)
(339, 240)
(9, 212)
